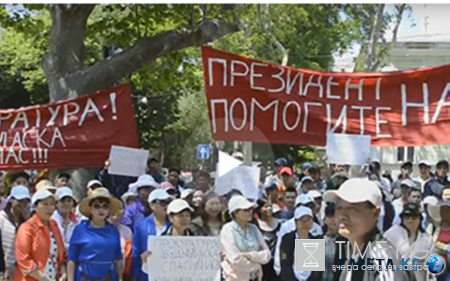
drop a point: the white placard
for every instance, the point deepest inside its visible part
(126, 161)
(183, 258)
(348, 149)
(243, 178)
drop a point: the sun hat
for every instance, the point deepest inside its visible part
(302, 211)
(41, 195)
(101, 192)
(91, 183)
(159, 194)
(144, 180)
(63, 192)
(19, 192)
(177, 206)
(435, 210)
(239, 202)
(45, 185)
(356, 190)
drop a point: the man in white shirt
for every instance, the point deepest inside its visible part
(425, 174)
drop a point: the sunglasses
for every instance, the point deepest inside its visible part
(162, 203)
(411, 217)
(101, 206)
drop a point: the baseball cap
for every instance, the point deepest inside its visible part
(408, 183)
(63, 192)
(410, 209)
(281, 162)
(41, 195)
(286, 170)
(239, 202)
(305, 179)
(407, 163)
(303, 199)
(306, 166)
(158, 194)
(94, 182)
(127, 195)
(19, 192)
(425, 163)
(356, 190)
(301, 212)
(178, 206)
(314, 194)
(185, 193)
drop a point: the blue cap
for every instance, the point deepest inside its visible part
(308, 165)
(281, 162)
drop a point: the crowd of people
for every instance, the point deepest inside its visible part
(49, 234)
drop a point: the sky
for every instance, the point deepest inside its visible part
(426, 22)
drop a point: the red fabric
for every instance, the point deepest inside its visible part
(444, 236)
(128, 260)
(261, 102)
(70, 134)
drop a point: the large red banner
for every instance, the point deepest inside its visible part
(249, 100)
(68, 134)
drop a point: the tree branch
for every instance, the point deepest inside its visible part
(107, 72)
(377, 24)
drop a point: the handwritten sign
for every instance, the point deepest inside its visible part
(348, 149)
(183, 258)
(127, 161)
(243, 178)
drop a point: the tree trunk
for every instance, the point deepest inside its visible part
(377, 24)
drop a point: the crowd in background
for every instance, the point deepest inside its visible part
(49, 234)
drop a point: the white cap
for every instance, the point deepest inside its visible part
(239, 202)
(158, 194)
(185, 193)
(41, 195)
(307, 178)
(19, 192)
(177, 206)
(45, 184)
(408, 183)
(314, 194)
(64, 192)
(431, 200)
(127, 195)
(94, 182)
(302, 211)
(144, 180)
(425, 162)
(356, 190)
(303, 199)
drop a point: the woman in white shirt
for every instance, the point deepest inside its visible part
(243, 245)
(410, 232)
(63, 215)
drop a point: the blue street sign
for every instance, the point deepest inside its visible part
(203, 151)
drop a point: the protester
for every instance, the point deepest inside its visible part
(304, 222)
(154, 225)
(406, 170)
(313, 171)
(424, 174)
(278, 164)
(197, 198)
(374, 168)
(154, 170)
(269, 227)
(116, 184)
(62, 179)
(93, 185)
(287, 180)
(409, 232)
(414, 196)
(244, 248)
(358, 207)
(435, 186)
(15, 213)
(129, 198)
(289, 197)
(337, 179)
(405, 186)
(203, 181)
(173, 191)
(45, 184)
(179, 213)
(63, 215)
(40, 253)
(20, 178)
(95, 251)
(210, 221)
(136, 212)
(174, 179)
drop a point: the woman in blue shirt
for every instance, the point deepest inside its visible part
(94, 251)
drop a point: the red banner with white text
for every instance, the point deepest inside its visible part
(249, 100)
(68, 134)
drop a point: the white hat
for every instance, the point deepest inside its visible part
(127, 195)
(425, 162)
(41, 195)
(302, 211)
(356, 190)
(431, 200)
(239, 202)
(45, 184)
(314, 194)
(307, 178)
(94, 182)
(19, 192)
(303, 199)
(64, 192)
(177, 206)
(435, 210)
(408, 183)
(185, 193)
(159, 194)
(144, 180)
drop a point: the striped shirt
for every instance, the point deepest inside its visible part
(8, 239)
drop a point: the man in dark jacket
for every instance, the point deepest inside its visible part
(435, 186)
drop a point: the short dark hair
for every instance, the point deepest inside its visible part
(18, 175)
(417, 190)
(290, 189)
(63, 175)
(330, 209)
(174, 170)
(203, 174)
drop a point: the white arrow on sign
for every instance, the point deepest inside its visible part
(227, 163)
(203, 152)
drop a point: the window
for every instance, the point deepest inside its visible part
(405, 154)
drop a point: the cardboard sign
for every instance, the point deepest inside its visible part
(69, 134)
(183, 258)
(243, 178)
(255, 101)
(348, 149)
(127, 161)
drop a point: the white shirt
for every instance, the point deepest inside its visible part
(422, 182)
(65, 233)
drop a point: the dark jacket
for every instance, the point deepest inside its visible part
(2, 256)
(287, 252)
(337, 273)
(117, 185)
(434, 187)
(389, 214)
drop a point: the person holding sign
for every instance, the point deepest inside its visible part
(243, 245)
(95, 252)
(179, 213)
